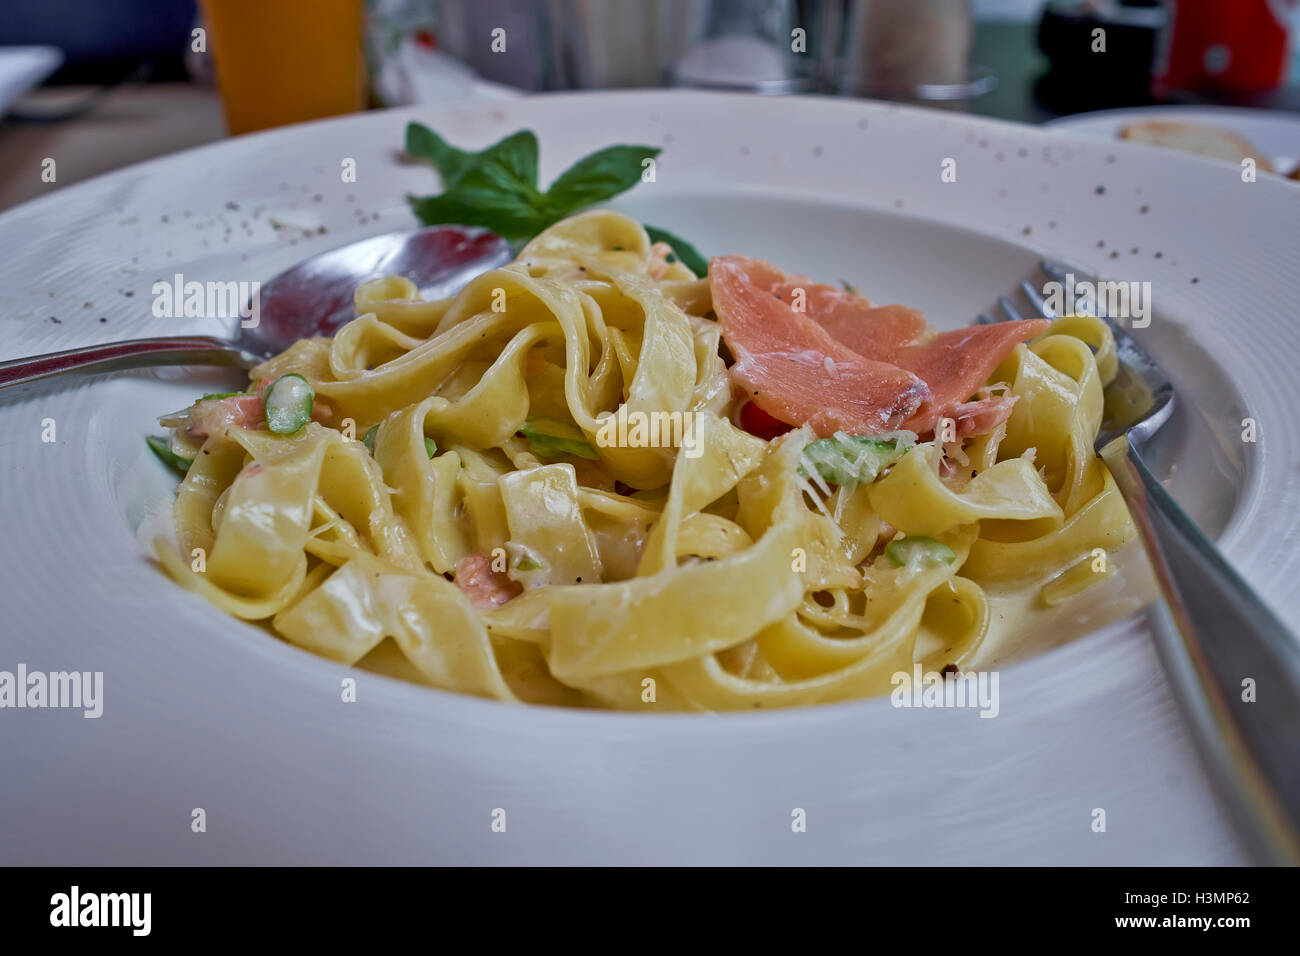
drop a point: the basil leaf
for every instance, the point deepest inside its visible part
(508, 218)
(489, 195)
(451, 163)
(689, 255)
(517, 154)
(497, 187)
(602, 175)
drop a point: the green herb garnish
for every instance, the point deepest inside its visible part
(430, 446)
(852, 459)
(289, 402)
(163, 449)
(548, 438)
(497, 187)
(919, 552)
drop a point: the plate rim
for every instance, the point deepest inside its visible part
(412, 700)
(1227, 539)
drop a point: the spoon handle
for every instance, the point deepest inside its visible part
(1234, 666)
(134, 353)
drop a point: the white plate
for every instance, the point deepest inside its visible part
(1274, 133)
(22, 68)
(203, 711)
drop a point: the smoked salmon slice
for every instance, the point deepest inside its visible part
(791, 368)
(880, 331)
(809, 353)
(956, 365)
(210, 415)
(980, 416)
(874, 331)
(483, 586)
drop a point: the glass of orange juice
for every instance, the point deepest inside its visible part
(285, 61)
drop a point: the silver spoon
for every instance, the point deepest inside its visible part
(312, 298)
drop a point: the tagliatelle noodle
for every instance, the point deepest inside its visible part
(647, 578)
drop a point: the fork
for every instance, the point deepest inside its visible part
(1212, 632)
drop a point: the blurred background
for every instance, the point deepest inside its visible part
(106, 83)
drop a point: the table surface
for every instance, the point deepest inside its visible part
(128, 125)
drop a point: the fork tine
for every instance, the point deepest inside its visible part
(1036, 299)
(1009, 309)
(1058, 272)
(983, 319)
(1054, 269)
(1137, 368)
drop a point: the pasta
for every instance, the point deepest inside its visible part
(490, 537)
